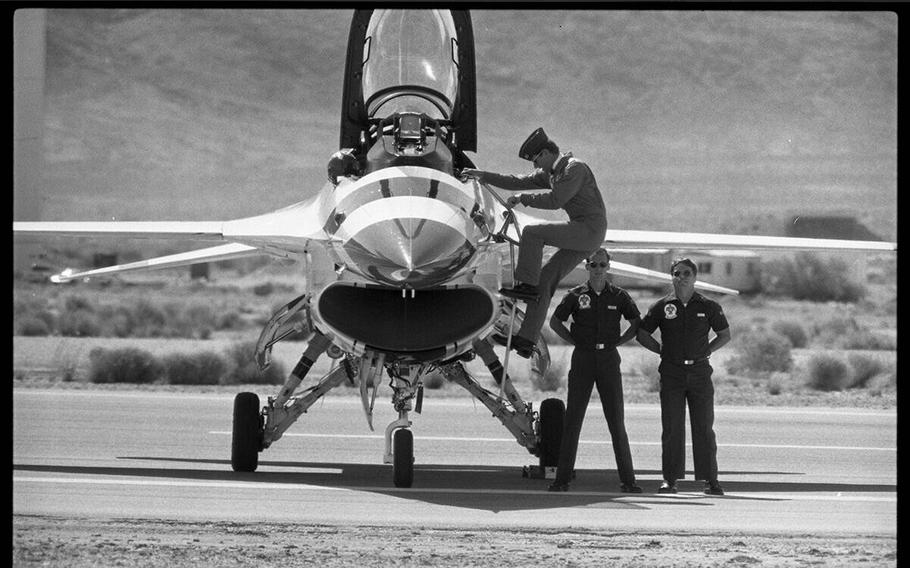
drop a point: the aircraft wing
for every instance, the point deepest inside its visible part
(620, 239)
(617, 240)
(206, 230)
(623, 269)
(211, 254)
(285, 233)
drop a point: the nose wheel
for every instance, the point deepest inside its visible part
(403, 458)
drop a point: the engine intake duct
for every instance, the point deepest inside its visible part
(423, 326)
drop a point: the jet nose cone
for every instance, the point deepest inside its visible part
(410, 252)
(414, 242)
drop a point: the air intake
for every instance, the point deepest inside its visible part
(422, 327)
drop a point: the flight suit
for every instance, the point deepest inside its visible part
(685, 377)
(573, 189)
(595, 361)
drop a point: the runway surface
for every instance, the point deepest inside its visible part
(154, 455)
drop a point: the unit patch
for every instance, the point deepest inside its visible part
(670, 311)
(584, 302)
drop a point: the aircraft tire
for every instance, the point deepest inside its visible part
(552, 415)
(246, 437)
(403, 464)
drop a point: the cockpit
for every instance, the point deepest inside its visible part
(405, 94)
(410, 64)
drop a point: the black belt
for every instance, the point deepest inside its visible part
(689, 362)
(597, 346)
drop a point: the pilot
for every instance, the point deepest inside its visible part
(573, 189)
(596, 308)
(685, 319)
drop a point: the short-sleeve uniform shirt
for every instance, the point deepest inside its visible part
(595, 317)
(684, 328)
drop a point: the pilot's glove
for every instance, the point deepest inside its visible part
(514, 200)
(472, 173)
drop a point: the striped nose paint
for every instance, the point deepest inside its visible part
(408, 241)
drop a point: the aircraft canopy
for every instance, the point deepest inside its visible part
(410, 63)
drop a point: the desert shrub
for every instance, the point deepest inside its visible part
(118, 321)
(776, 383)
(864, 368)
(834, 326)
(204, 368)
(882, 383)
(229, 320)
(149, 320)
(865, 339)
(32, 326)
(553, 377)
(760, 352)
(79, 323)
(810, 277)
(792, 331)
(201, 316)
(846, 333)
(77, 303)
(828, 373)
(124, 365)
(242, 368)
(263, 289)
(648, 368)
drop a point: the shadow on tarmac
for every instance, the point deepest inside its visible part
(491, 488)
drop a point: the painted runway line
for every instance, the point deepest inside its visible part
(587, 442)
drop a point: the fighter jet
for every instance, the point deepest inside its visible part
(411, 255)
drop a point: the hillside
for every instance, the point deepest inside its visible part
(697, 120)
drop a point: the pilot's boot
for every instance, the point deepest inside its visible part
(521, 291)
(523, 347)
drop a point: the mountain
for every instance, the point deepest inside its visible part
(691, 120)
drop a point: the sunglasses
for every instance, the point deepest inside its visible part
(683, 273)
(600, 264)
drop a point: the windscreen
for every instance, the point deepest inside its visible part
(410, 63)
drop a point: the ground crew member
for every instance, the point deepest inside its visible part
(596, 308)
(685, 318)
(572, 188)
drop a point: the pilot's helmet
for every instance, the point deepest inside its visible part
(533, 145)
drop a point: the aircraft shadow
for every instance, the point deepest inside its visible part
(492, 488)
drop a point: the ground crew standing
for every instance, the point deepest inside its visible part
(573, 189)
(596, 308)
(685, 319)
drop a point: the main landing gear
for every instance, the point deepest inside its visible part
(256, 429)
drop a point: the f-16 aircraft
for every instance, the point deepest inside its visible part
(416, 253)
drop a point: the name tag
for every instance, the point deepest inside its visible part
(701, 315)
(609, 307)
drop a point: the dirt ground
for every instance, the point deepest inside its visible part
(76, 543)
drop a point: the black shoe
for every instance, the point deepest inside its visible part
(557, 486)
(630, 488)
(667, 487)
(521, 291)
(713, 488)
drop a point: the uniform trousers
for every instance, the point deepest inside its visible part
(679, 385)
(591, 367)
(576, 240)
